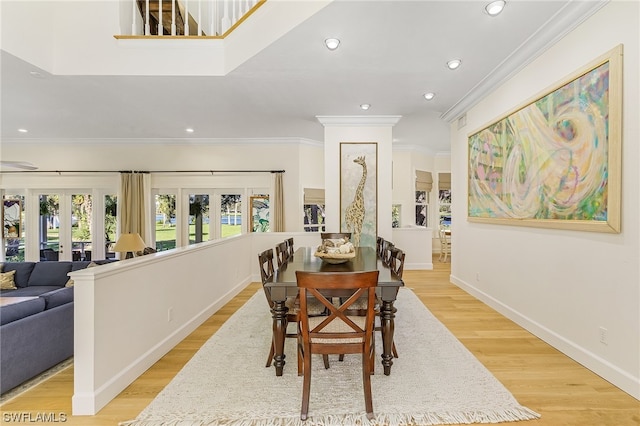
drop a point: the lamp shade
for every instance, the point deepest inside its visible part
(129, 243)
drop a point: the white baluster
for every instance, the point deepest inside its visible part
(133, 21)
(185, 18)
(234, 10)
(214, 15)
(199, 17)
(160, 30)
(226, 22)
(147, 26)
(173, 17)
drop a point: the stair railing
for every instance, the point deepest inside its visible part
(213, 18)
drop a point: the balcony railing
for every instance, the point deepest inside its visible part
(188, 18)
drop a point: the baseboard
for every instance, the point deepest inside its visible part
(617, 377)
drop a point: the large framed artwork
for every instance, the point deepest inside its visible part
(554, 162)
(359, 192)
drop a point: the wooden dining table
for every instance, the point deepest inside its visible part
(284, 284)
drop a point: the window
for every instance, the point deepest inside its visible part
(81, 216)
(13, 228)
(259, 213)
(49, 226)
(110, 223)
(396, 209)
(444, 198)
(198, 218)
(313, 210)
(165, 221)
(230, 215)
(424, 184)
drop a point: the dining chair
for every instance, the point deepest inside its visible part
(337, 333)
(267, 272)
(445, 243)
(387, 246)
(290, 249)
(379, 241)
(282, 255)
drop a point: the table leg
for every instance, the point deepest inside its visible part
(279, 313)
(387, 314)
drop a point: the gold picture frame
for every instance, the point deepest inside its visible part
(554, 161)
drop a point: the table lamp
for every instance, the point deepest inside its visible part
(129, 243)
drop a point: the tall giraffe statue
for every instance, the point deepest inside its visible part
(354, 215)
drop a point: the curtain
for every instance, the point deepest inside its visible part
(314, 196)
(278, 204)
(131, 204)
(424, 181)
(444, 181)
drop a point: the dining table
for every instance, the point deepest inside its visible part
(284, 285)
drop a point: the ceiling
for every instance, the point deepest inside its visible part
(392, 52)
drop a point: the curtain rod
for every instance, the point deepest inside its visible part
(142, 171)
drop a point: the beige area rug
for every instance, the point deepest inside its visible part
(436, 380)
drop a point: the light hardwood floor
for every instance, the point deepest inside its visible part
(540, 377)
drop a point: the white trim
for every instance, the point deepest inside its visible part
(358, 120)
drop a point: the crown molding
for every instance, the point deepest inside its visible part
(563, 22)
(165, 141)
(358, 120)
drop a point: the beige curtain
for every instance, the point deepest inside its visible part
(424, 181)
(131, 206)
(444, 181)
(278, 204)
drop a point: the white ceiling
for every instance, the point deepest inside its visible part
(392, 52)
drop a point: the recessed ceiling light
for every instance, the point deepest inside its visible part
(454, 64)
(332, 43)
(23, 130)
(429, 96)
(365, 106)
(495, 7)
(189, 130)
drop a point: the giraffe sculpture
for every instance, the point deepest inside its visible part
(354, 215)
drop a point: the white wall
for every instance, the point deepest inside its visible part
(563, 285)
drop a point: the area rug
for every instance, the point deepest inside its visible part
(435, 380)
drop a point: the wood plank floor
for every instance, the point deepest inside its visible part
(540, 377)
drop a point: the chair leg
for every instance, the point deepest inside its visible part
(325, 359)
(394, 351)
(366, 384)
(341, 357)
(271, 354)
(306, 385)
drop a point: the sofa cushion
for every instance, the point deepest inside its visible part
(23, 271)
(16, 311)
(79, 264)
(57, 297)
(50, 273)
(37, 290)
(6, 280)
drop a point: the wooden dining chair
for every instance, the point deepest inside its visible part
(337, 333)
(379, 241)
(282, 254)
(387, 246)
(267, 272)
(290, 249)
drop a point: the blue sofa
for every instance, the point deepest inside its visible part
(36, 333)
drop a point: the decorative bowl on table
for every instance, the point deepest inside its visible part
(336, 251)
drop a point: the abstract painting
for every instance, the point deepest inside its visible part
(555, 161)
(359, 192)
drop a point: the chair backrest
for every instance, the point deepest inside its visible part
(397, 261)
(335, 235)
(282, 255)
(387, 246)
(290, 248)
(444, 238)
(265, 261)
(379, 241)
(337, 329)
